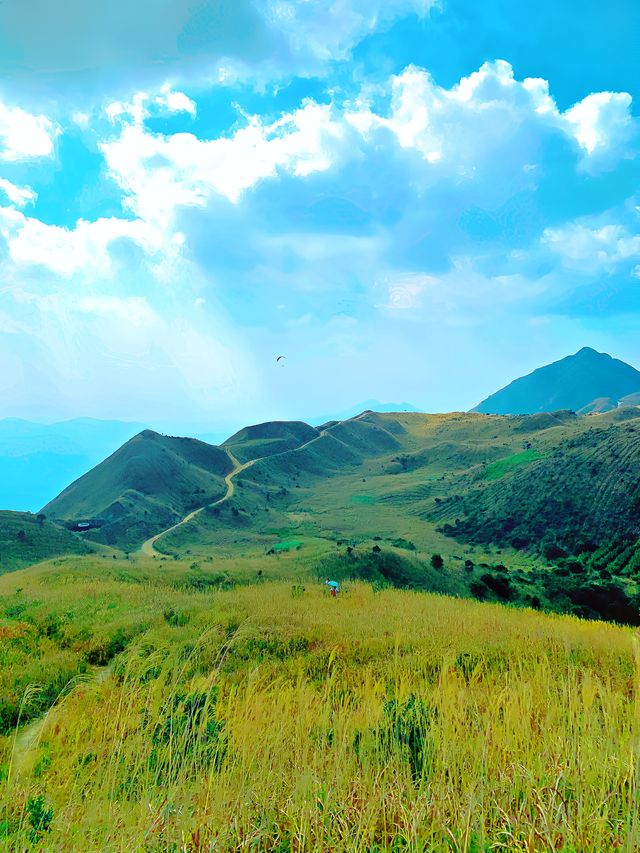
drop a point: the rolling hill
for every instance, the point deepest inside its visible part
(577, 496)
(522, 482)
(364, 406)
(269, 438)
(145, 486)
(536, 485)
(26, 539)
(550, 486)
(574, 382)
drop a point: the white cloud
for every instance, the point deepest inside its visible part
(134, 310)
(592, 249)
(20, 196)
(175, 102)
(84, 248)
(602, 120)
(159, 173)
(364, 207)
(81, 119)
(485, 131)
(24, 135)
(135, 110)
(490, 111)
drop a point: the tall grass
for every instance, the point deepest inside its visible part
(380, 721)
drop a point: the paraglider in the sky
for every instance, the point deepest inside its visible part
(279, 358)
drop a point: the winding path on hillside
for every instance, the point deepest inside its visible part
(148, 548)
(27, 739)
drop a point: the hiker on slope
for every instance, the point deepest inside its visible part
(334, 586)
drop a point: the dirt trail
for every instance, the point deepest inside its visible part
(26, 740)
(147, 548)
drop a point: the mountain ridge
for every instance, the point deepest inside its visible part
(573, 382)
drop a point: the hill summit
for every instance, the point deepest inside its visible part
(576, 382)
(149, 483)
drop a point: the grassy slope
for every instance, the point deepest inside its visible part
(581, 491)
(269, 438)
(418, 477)
(24, 540)
(319, 492)
(273, 717)
(467, 486)
(147, 485)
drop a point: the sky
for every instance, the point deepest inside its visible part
(411, 200)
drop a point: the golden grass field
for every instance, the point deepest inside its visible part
(271, 717)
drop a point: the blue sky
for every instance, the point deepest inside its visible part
(411, 200)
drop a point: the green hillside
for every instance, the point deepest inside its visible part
(26, 539)
(496, 494)
(217, 677)
(630, 399)
(602, 404)
(573, 383)
(148, 484)
(484, 491)
(581, 495)
(269, 438)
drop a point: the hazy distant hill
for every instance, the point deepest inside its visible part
(38, 460)
(571, 383)
(146, 485)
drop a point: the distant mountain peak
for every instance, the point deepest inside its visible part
(573, 382)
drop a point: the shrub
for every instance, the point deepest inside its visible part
(500, 586)
(40, 818)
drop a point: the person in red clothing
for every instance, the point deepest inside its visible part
(334, 586)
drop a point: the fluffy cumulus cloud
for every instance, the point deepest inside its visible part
(66, 251)
(591, 248)
(401, 217)
(602, 122)
(489, 114)
(158, 173)
(488, 133)
(20, 196)
(24, 135)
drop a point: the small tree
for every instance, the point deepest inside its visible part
(41, 517)
(436, 561)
